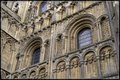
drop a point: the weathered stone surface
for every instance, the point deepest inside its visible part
(55, 33)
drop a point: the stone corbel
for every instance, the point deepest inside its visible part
(48, 15)
(73, 3)
(61, 8)
(41, 20)
(15, 9)
(68, 4)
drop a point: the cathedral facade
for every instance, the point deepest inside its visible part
(60, 39)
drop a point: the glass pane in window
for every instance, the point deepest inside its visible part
(84, 37)
(36, 56)
(43, 7)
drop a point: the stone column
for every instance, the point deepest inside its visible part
(99, 31)
(98, 63)
(13, 57)
(67, 70)
(81, 67)
(52, 52)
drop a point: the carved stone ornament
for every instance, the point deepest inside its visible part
(60, 8)
(59, 37)
(61, 67)
(47, 43)
(33, 75)
(74, 63)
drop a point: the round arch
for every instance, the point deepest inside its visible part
(29, 48)
(59, 60)
(108, 59)
(73, 22)
(73, 56)
(105, 45)
(77, 24)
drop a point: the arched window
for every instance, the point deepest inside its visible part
(36, 56)
(43, 7)
(84, 37)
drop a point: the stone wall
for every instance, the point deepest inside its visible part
(55, 33)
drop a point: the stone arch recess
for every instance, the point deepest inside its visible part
(77, 24)
(28, 49)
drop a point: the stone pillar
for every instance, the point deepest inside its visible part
(99, 31)
(81, 67)
(67, 70)
(13, 57)
(98, 63)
